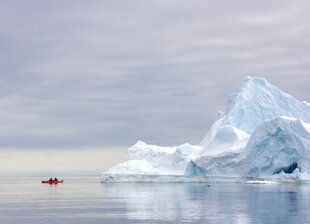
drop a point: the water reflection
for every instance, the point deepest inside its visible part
(85, 200)
(220, 203)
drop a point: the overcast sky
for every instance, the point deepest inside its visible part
(100, 74)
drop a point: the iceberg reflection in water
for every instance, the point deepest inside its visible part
(217, 203)
(82, 199)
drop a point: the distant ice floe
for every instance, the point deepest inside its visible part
(264, 133)
(261, 182)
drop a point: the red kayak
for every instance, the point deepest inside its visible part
(51, 181)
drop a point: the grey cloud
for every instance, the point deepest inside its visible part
(107, 73)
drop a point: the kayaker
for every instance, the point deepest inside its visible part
(51, 179)
(55, 179)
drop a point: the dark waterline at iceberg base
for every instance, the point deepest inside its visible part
(85, 200)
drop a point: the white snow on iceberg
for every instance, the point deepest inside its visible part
(147, 159)
(264, 133)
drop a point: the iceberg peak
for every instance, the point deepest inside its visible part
(257, 100)
(253, 88)
(256, 80)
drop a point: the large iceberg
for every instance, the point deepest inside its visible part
(264, 133)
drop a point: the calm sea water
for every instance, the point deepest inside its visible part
(86, 200)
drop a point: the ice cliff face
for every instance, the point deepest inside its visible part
(279, 145)
(263, 133)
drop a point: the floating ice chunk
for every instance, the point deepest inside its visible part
(261, 182)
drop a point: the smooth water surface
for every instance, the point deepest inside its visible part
(86, 200)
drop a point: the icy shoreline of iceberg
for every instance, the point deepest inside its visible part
(264, 134)
(144, 159)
